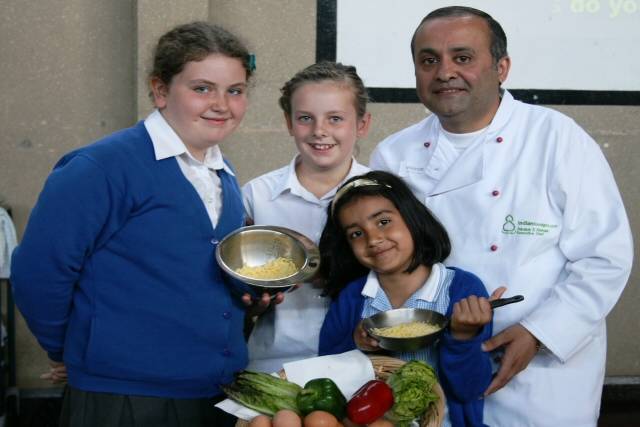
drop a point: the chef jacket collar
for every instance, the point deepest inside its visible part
(470, 165)
(505, 109)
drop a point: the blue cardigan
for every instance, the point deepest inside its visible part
(464, 370)
(116, 274)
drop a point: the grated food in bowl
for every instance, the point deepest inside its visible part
(407, 330)
(275, 269)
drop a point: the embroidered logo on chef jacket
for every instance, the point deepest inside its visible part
(525, 227)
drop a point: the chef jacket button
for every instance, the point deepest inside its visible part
(499, 139)
(495, 193)
(214, 241)
(226, 352)
(493, 248)
(226, 315)
(427, 144)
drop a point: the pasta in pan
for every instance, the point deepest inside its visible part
(406, 330)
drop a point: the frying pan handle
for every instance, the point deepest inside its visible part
(504, 301)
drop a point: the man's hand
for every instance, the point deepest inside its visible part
(520, 346)
(57, 373)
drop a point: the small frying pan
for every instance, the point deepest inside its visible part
(406, 315)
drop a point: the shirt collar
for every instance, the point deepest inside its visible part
(427, 292)
(372, 285)
(167, 143)
(289, 180)
(431, 129)
(505, 109)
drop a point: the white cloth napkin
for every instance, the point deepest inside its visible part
(236, 409)
(348, 370)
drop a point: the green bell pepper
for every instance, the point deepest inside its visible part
(322, 394)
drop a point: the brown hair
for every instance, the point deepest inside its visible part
(194, 42)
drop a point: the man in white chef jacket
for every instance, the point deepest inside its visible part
(530, 203)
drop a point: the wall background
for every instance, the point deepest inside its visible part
(73, 71)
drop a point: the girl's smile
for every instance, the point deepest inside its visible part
(322, 147)
(216, 121)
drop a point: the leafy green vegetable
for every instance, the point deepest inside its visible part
(412, 386)
(263, 392)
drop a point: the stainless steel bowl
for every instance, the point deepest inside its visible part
(405, 315)
(256, 245)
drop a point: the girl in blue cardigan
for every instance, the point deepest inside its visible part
(382, 249)
(116, 274)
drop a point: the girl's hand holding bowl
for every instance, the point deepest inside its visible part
(259, 306)
(363, 340)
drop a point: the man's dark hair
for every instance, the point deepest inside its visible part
(498, 42)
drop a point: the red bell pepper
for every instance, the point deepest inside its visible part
(370, 402)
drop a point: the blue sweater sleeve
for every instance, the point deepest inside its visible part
(465, 370)
(336, 334)
(71, 213)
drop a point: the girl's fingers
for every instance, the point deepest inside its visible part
(498, 293)
(246, 300)
(472, 311)
(55, 376)
(363, 340)
(464, 305)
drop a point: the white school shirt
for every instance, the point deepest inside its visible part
(202, 175)
(291, 330)
(534, 207)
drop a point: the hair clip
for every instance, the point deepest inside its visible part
(360, 182)
(252, 61)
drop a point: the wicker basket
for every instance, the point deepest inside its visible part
(383, 366)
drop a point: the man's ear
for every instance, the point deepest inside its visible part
(160, 90)
(503, 66)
